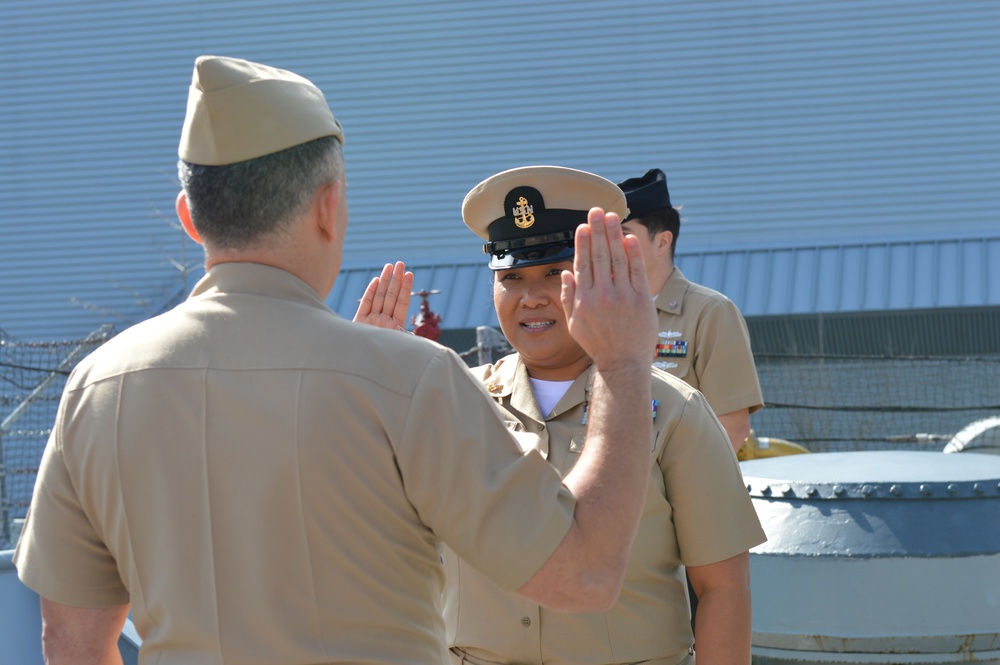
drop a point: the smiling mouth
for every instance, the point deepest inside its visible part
(537, 325)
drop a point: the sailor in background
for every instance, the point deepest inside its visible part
(703, 338)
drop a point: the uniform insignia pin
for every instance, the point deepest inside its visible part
(524, 214)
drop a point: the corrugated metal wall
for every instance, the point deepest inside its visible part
(874, 277)
(854, 277)
(792, 125)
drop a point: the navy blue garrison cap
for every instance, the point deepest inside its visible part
(646, 194)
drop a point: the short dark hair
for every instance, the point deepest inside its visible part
(236, 206)
(659, 220)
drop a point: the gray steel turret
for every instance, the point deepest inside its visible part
(876, 557)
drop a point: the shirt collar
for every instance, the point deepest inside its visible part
(256, 279)
(510, 379)
(670, 299)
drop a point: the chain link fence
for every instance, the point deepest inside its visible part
(855, 402)
(825, 403)
(32, 376)
(830, 404)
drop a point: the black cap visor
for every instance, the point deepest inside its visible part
(533, 255)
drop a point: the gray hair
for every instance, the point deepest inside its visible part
(241, 205)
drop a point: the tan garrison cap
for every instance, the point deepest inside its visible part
(529, 215)
(238, 110)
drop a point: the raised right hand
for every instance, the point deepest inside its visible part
(606, 298)
(386, 301)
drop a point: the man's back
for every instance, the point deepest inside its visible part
(259, 481)
(251, 462)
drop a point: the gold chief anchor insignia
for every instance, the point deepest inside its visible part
(523, 214)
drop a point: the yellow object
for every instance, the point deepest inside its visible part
(759, 447)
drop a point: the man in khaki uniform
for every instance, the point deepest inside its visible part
(703, 338)
(259, 481)
(697, 513)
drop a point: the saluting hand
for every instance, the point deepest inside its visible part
(386, 301)
(606, 298)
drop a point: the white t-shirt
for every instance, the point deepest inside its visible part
(548, 393)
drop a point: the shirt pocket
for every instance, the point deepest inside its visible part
(525, 440)
(679, 367)
(513, 425)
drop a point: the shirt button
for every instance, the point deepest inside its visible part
(526, 621)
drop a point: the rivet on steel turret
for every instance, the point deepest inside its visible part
(896, 490)
(749, 488)
(787, 490)
(952, 488)
(978, 489)
(925, 490)
(839, 490)
(867, 490)
(811, 491)
(766, 491)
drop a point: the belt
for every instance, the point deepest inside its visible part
(459, 657)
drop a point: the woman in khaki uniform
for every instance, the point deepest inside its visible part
(698, 514)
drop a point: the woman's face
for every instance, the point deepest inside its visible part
(532, 319)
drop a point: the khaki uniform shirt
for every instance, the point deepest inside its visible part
(697, 512)
(703, 340)
(266, 482)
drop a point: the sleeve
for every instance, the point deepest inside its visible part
(501, 510)
(59, 554)
(727, 375)
(713, 515)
